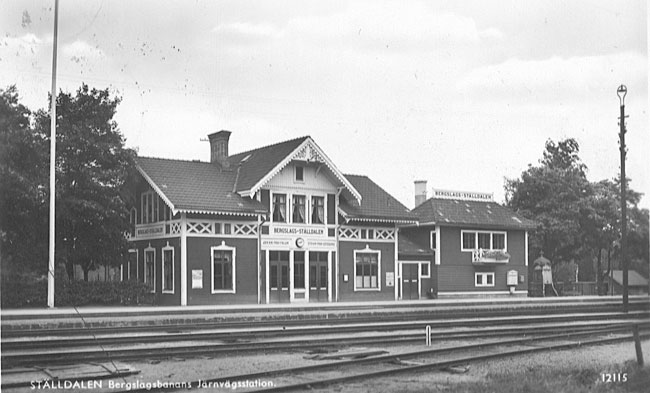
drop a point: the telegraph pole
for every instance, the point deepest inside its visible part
(621, 92)
(50, 265)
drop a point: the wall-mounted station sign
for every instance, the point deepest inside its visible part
(150, 231)
(298, 237)
(297, 230)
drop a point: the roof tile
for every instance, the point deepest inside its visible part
(475, 213)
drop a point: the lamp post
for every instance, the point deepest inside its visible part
(51, 264)
(621, 92)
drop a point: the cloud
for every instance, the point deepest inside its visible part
(576, 76)
(390, 23)
(26, 44)
(242, 33)
(82, 50)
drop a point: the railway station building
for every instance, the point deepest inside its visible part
(478, 247)
(282, 223)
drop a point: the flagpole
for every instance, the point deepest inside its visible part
(50, 266)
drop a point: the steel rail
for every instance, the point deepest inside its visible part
(37, 329)
(406, 355)
(447, 363)
(62, 357)
(248, 333)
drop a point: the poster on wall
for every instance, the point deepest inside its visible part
(390, 279)
(197, 279)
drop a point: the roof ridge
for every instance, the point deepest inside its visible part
(174, 159)
(268, 146)
(353, 174)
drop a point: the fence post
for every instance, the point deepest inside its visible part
(428, 334)
(637, 345)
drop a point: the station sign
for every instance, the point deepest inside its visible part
(303, 231)
(150, 231)
(298, 243)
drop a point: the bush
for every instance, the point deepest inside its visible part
(19, 293)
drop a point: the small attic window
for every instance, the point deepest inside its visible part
(299, 173)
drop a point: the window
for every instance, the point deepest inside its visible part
(484, 279)
(132, 265)
(168, 269)
(425, 270)
(150, 267)
(300, 173)
(433, 240)
(279, 208)
(149, 206)
(317, 210)
(223, 269)
(469, 240)
(486, 240)
(299, 269)
(299, 209)
(499, 241)
(366, 270)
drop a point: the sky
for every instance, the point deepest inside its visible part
(463, 94)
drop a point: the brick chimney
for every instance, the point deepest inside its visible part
(219, 148)
(420, 192)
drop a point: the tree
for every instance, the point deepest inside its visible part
(552, 194)
(578, 219)
(23, 192)
(92, 165)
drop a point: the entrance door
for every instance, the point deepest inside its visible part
(279, 276)
(318, 276)
(410, 281)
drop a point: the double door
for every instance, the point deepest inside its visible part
(410, 280)
(282, 289)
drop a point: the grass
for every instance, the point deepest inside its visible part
(542, 380)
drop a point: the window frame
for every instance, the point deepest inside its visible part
(312, 206)
(476, 232)
(484, 283)
(367, 250)
(233, 262)
(433, 238)
(294, 197)
(295, 173)
(164, 249)
(273, 206)
(428, 265)
(137, 264)
(152, 250)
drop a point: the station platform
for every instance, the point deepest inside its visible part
(67, 317)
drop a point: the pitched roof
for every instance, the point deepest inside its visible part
(257, 163)
(207, 187)
(196, 186)
(456, 212)
(408, 247)
(376, 204)
(634, 279)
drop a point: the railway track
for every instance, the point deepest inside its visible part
(191, 344)
(84, 324)
(323, 375)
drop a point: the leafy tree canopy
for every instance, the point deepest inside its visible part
(92, 165)
(577, 218)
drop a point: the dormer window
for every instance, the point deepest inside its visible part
(300, 173)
